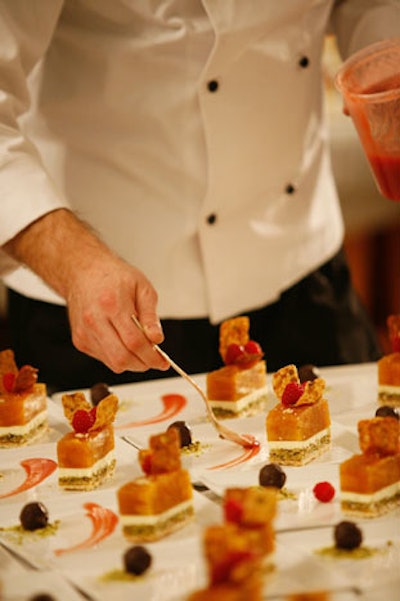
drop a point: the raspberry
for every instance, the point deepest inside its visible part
(253, 348)
(324, 492)
(233, 511)
(146, 461)
(292, 393)
(233, 353)
(83, 420)
(9, 381)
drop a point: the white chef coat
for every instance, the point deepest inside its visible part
(189, 134)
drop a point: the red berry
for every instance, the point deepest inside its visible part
(83, 420)
(233, 511)
(253, 348)
(9, 381)
(324, 492)
(233, 353)
(146, 463)
(292, 393)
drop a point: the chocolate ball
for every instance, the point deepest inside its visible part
(34, 516)
(386, 411)
(98, 392)
(308, 372)
(272, 475)
(347, 535)
(137, 560)
(184, 431)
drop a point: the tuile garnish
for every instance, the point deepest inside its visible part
(13, 379)
(105, 411)
(313, 389)
(233, 331)
(26, 377)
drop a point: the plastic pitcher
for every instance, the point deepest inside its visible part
(369, 82)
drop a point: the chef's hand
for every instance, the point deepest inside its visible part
(101, 290)
(100, 304)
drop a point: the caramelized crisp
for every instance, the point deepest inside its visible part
(313, 389)
(282, 378)
(233, 331)
(25, 379)
(379, 435)
(105, 412)
(73, 402)
(7, 363)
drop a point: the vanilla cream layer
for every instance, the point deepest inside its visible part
(298, 444)
(87, 472)
(153, 520)
(242, 403)
(379, 495)
(24, 429)
(389, 389)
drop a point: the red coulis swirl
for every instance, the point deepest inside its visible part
(173, 404)
(37, 469)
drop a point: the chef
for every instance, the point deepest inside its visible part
(169, 159)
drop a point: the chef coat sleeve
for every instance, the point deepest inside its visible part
(26, 190)
(357, 23)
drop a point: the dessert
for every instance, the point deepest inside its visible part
(240, 386)
(298, 427)
(86, 455)
(23, 402)
(389, 367)
(160, 501)
(370, 481)
(236, 551)
(252, 511)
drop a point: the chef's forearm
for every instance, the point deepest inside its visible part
(55, 247)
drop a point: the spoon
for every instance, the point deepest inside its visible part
(245, 440)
